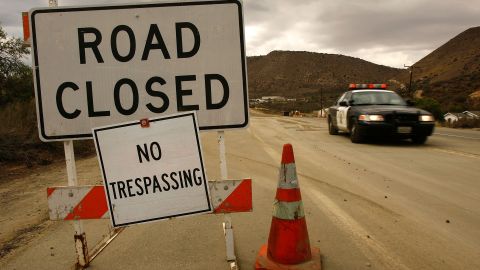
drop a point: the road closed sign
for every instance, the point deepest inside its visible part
(153, 171)
(102, 65)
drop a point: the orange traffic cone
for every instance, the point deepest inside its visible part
(288, 243)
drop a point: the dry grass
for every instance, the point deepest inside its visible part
(18, 118)
(19, 141)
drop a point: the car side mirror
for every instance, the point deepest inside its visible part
(343, 103)
(410, 102)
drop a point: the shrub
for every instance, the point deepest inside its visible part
(431, 105)
(19, 141)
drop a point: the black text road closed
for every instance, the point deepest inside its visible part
(155, 172)
(109, 64)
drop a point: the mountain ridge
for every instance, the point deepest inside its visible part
(449, 74)
(304, 74)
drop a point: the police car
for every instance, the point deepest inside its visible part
(370, 110)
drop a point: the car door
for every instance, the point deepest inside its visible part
(343, 112)
(332, 111)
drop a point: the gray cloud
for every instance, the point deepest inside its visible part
(397, 25)
(391, 32)
(11, 14)
(368, 27)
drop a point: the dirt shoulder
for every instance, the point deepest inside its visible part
(23, 201)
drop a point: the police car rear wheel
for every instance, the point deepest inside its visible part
(355, 136)
(331, 129)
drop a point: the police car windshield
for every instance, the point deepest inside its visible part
(376, 98)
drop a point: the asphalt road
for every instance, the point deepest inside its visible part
(386, 205)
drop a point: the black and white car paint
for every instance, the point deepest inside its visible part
(378, 113)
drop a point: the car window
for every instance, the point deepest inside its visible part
(340, 99)
(377, 98)
(348, 96)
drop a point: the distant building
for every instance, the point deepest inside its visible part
(256, 100)
(454, 117)
(472, 114)
(273, 98)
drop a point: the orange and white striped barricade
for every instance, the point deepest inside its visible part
(89, 202)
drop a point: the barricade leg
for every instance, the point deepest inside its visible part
(80, 237)
(227, 223)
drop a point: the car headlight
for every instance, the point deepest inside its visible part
(371, 117)
(426, 118)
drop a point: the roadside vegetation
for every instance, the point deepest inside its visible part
(19, 141)
(464, 123)
(431, 105)
(289, 106)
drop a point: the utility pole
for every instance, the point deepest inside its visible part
(321, 102)
(410, 93)
(410, 70)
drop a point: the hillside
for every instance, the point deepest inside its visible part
(305, 74)
(451, 73)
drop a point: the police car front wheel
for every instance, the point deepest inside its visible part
(331, 129)
(355, 135)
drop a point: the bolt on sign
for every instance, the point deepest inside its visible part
(102, 65)
(153, 172)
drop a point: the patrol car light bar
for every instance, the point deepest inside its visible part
(367, 86)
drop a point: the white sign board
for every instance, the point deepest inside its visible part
(102, 65)
(154, 172)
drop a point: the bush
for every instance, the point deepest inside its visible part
(431, 105)
(16, 82)
(19, 141)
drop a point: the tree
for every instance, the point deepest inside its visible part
(15, 76)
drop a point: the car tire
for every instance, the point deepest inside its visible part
(355, 136)
(419, 139)
(331, 129)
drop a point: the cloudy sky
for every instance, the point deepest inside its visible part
(387, 32)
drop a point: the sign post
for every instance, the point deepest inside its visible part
(227, 223)
(81, 247)
(79, 236)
